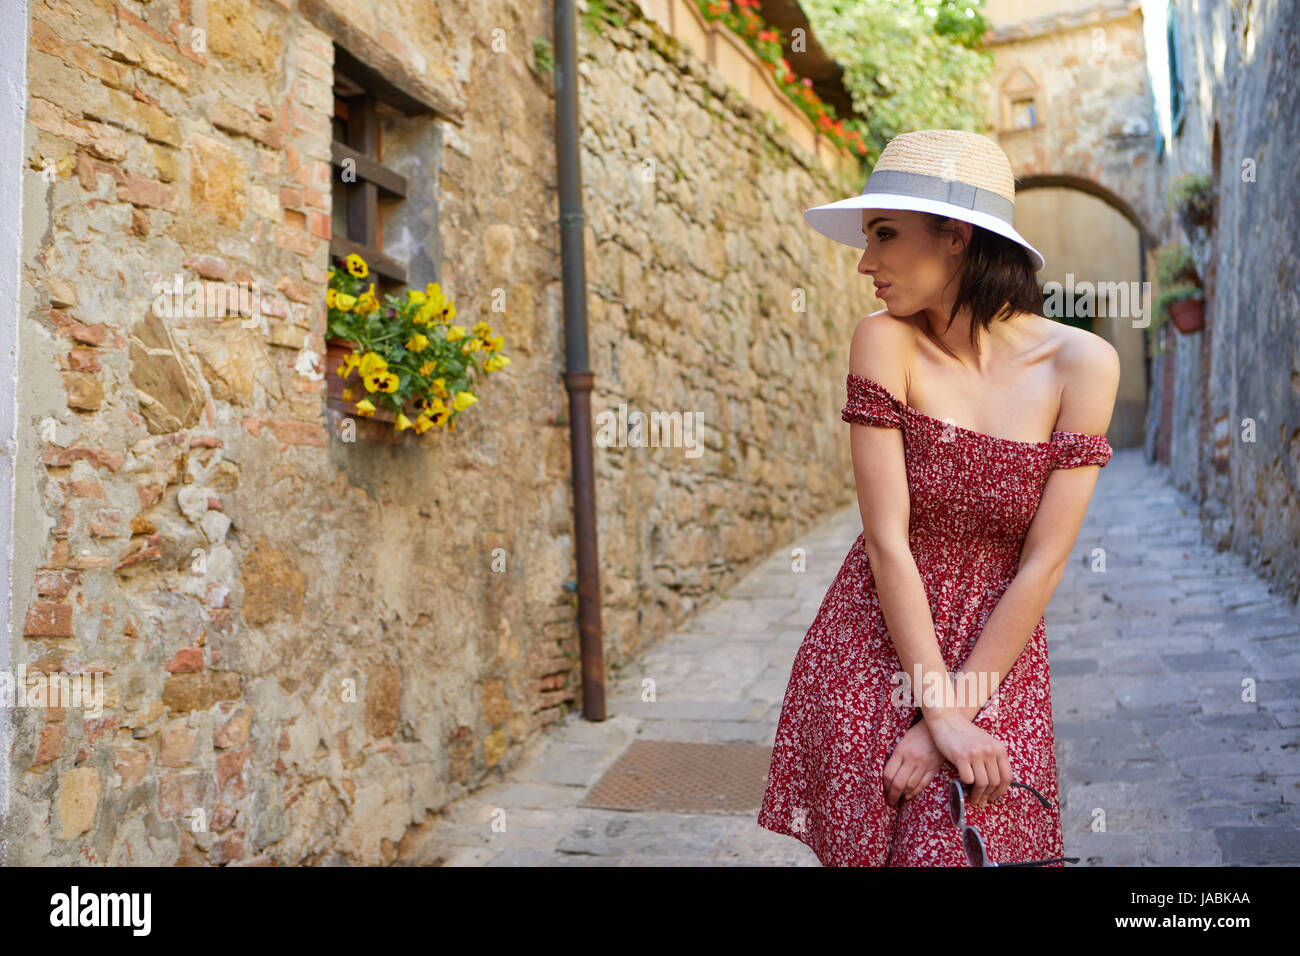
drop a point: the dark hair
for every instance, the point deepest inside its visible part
(997, 277)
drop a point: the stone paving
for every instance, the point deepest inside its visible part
(1161, 762)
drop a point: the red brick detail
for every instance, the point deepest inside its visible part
(187, 659)
(48, 620)
(57, 457)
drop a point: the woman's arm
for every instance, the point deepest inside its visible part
(1087, 401)
(878, 351)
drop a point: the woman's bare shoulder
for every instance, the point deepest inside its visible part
(881, 349)
(884, 330)
(1080, 351)
(1088, 368)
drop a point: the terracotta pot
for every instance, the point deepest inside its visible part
(1188, 315)
(377, 427)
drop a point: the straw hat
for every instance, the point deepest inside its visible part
(951, 172)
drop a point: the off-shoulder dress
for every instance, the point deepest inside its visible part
(972, 498)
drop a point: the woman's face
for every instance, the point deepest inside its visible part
(911, 265)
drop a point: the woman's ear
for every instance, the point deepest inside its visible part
(964, 230)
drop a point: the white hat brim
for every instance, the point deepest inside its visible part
(842, 220)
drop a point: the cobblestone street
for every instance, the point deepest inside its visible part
(1160, 760)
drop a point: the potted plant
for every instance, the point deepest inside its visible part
(401, 362)
(1174, 263)
(1181, 297)
(1185, 305)
(1191, 196)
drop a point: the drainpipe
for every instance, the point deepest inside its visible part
(578, 376)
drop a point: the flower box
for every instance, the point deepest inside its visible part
(400, 366)
(377, 427)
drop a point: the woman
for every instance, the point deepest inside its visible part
(978, 432)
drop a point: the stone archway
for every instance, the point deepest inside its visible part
(1121, 205)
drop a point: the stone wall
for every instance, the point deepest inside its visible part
(1234, 429)
(314, 642)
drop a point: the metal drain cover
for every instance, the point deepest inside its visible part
(682, 777)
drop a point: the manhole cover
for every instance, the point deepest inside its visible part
(684, 777)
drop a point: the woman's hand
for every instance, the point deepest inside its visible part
(912, 765)
(979, 757)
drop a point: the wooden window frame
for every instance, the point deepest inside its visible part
(356, 103)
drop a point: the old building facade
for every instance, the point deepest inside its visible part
(308, 645)
(1225, 407)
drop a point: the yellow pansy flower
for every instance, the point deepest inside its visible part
(357, 266)
(494, 343)
(330, 296)
(417, 342)
(368, 304)
(345, 301)
(422, 424)
(349, 363)
(428, 368)
(402, 424)
(416, 296)
(481, 329)
(463, 400)
(471, 345)
(496, 362)
(442, 306)
(440, 387)
(365, 407)
(371, 363)
(455, 333)
(381, 382)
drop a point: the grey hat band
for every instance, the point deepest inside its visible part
(951, 191)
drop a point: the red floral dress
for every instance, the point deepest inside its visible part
(973, 497)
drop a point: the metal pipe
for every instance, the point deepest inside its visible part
(578, 376)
